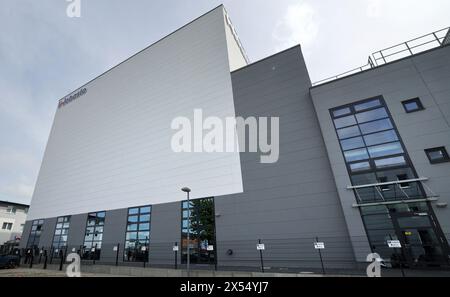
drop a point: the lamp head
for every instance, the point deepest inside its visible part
(186, 189)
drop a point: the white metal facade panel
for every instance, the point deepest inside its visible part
(110, 148)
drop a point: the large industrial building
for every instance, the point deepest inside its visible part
(363, 159)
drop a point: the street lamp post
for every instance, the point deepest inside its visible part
(187, 190)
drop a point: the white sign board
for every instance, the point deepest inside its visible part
(115, 248)
(260, 247)
(73, 250)
(394, 244)
(143, 248)
(319, 245)
(175, 248)
(210, 248)
(92, 249)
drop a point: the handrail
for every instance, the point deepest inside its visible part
(378, 58)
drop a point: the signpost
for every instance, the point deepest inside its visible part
(318, 245)
(395, 244)
(261, 247)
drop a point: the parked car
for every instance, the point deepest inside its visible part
(9, 261)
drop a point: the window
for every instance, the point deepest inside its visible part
(7, 226)
(390, 162)
(381, 137)
(376, 126)
(385, 150)
(348, 132)
(35, 234)
(383, 179)
(199, 214)
(93, 235)
(367, 105)
(11, 209)
(356, 155)
(373, 151)
(61, 233)
(437, 155)
(412, 105)
(352, 143)
(361, 166)
(341, 112)
(137, 237)
(403, 177)
(345, 121)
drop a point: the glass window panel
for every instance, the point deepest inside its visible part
(132, 227)
(185, 223)
(356, 155)
(185, 213)
(64, 238)
(361, 166)
(381, 137)
(89, 237)
(98, 229)
(66, 225)
(145, 209)
(145, 226)
(88, 245)
(131, 236)
(58, 231)
(345, 121)
(59, 226)
(132, 211)
(371, 115)
(367, 105)
(390, 162)
(348, 132)
(352, 143)
(381, 221)
(101, 214)
(144, 236)
(385, 150)
(90, 230)
(144, 218)
(98, 236)
(411, 106)
(133, 219)
(341, 111)
(60, 220)
(364, 179)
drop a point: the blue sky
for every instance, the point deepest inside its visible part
(44, 55)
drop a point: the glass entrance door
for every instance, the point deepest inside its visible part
(422, 245)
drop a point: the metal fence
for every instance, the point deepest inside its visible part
(327, 255)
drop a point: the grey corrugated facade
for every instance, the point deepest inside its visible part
(304, 195)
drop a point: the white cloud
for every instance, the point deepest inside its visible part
(298, 25)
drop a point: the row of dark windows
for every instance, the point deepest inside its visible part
(137, 234)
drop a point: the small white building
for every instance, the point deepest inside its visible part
(12, 220)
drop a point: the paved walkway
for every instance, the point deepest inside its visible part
(26, 272)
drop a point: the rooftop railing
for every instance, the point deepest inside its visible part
(397, 52)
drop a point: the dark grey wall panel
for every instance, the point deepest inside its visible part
(288, 203)
(25, 234)
(113, 234)
(76, 231)
(165, 231)
(48, 230)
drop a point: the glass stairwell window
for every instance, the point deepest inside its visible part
(373, 151)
